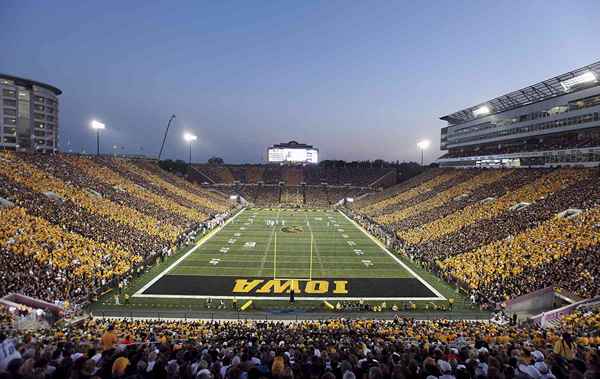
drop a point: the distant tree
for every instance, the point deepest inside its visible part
(177, 166)
(379, 163)
(216, 161)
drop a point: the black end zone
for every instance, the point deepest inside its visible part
(215, 286)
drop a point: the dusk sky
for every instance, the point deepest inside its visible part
(359, 80)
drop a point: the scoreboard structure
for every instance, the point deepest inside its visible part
(293, 152)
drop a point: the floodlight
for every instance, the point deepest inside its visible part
(189, 137)
(482, 110)
(97, 125)
(423, 144)
(586, 77)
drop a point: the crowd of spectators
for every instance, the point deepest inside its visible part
(491, 269)
(373, 349)
(307, 196)
(482, 178)
(484, 194)
(80, 225)
(389, 192)
(290, 175)
(372, 206)
(501, 239)
(317, 196)
(500, 200)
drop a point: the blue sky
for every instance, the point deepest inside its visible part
(359, 80)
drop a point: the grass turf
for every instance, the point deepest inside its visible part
(282, 250)
(301, 245)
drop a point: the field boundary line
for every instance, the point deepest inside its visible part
(287, 298)
(384, 248)
(184, 256)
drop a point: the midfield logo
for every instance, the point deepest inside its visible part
(280, 286)
(292, 229)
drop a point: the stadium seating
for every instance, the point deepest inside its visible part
(291, 175)
(399, 348)
(498, 233)
(79, 223)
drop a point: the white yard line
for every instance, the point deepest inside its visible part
(310, 270)
(184, 256)
(266, 252)
(382, 246)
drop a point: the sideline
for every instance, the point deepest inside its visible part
(207, 237)
(414, 274)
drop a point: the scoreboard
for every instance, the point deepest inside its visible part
(293, 155)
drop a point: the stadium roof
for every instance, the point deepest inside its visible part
(292, 145)
(29, 83)
(538, 92)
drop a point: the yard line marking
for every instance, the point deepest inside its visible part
(184, 256)
(382, 246)
(311, 252)
(311, 256)
(275, 257)
(266, 252)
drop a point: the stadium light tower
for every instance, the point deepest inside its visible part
(97, 125)
(422, 145)
(189, 138)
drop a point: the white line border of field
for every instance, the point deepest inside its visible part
(140, 292)
(382, 246)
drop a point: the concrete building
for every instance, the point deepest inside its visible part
(29, 115)
(552, 123)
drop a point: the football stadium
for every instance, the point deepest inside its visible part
(136, 251)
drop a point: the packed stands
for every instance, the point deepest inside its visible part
(317, 196)
(78, 224)
(303, 195)
(254, 174)
(497, 233)
(214, 173)
(292, 195)
(294, 175)
(399, 348)
(390, 192)
(261, 195)
(273, 174)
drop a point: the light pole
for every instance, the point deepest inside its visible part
(97, 125)
(189, 137)
(422, 145)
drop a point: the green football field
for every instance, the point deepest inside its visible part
(266, 253)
